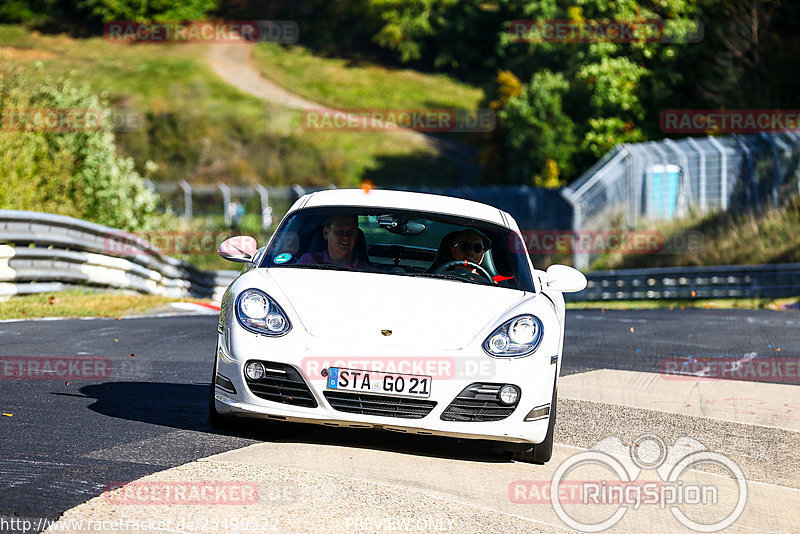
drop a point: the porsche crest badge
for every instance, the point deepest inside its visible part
(385, 332)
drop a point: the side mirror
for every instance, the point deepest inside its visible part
(564, 278)
(241, 249)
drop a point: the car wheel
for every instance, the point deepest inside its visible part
(541, 452)
(216, 419)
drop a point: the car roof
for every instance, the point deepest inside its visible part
(384, 198)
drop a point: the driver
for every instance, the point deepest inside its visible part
(341, 235)
(469, 245)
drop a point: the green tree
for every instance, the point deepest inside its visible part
(70, 168)
(536, 132)
(148, 10)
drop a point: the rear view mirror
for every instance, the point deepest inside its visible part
(400, 225)
(241, 249)
(564, 278)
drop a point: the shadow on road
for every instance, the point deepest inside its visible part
(185, 407)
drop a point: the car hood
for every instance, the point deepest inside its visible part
(420, 311)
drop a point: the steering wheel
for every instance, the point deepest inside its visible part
(450, 265)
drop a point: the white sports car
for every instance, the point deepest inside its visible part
(399, 311)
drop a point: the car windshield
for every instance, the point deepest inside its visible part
(401, 243)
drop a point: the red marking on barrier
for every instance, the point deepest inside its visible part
(207, 305)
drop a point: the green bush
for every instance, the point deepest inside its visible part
(149, 10)
(535, 135)
(72, 167)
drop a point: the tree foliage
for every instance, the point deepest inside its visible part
(580, 99)
(576, 100)
(67, 167)
(51, 13)
(149, 10)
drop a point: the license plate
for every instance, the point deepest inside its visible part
(379, 383)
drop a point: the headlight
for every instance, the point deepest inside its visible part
(260, 314)
(518, 337)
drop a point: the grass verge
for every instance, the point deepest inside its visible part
(175, 112)
(722, 238)
(709, 304)
(79, 303)
(341, 83)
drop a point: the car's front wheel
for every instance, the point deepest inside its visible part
(541, 452)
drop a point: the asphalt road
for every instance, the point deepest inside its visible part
(640, 340)
(66, 441)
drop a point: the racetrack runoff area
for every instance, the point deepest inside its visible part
(146, 422)
(314, 485)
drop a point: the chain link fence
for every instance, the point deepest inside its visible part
(531, 207)
(637, 184)
(633, 186)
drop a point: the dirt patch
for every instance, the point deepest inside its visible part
(24, 54)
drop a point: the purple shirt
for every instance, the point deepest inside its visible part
(323, 258)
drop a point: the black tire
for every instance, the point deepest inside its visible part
(216, 419)
(541, 452)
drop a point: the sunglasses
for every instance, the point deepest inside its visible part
(477, 248)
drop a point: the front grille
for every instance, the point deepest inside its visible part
(282, 383)
(379, 405)
(478, 403)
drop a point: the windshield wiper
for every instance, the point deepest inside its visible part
(330, 266)
(443, 275)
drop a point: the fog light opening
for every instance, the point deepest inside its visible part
(508, 394)
(254, 370)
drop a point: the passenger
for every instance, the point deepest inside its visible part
(341, 235)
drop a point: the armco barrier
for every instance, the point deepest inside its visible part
(729, 281)
(51, 252)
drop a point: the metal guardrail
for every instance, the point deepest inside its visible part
(733, 281)
(52, 250)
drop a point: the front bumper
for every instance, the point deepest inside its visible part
(451, 371)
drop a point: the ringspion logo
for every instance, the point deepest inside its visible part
(593, 490)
